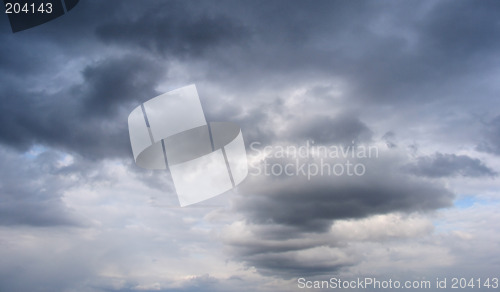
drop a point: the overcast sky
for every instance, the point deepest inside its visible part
(416, 79)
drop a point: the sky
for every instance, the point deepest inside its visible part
(417, 80)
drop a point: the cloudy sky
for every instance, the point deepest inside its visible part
(416, 79)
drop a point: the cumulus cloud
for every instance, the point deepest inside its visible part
(293, 221)
(311, 254)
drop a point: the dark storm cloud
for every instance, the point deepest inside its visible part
(112, 83)
(288, 216)
(392, 52)
(387, 52)
(445, 29)
(312, 205)
(88, 118)
(449, 165)
(288, 266)
(171, 28)
(306, 40)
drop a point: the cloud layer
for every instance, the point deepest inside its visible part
(417, 80)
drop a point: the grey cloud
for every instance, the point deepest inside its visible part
(26, 122)
(389, 139)
(387, 53)
(88, 118)
(112, 83)
(395, 61)
(273, 119)
(449, 165)
(491, 143)
(313, 205)
(173, 28)
(343, 129)
(30, 194)
(316, 254)
(330, 45)
(290, 211)
(444, 30)
(290, 265)
(202, 283)
(41, 213)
